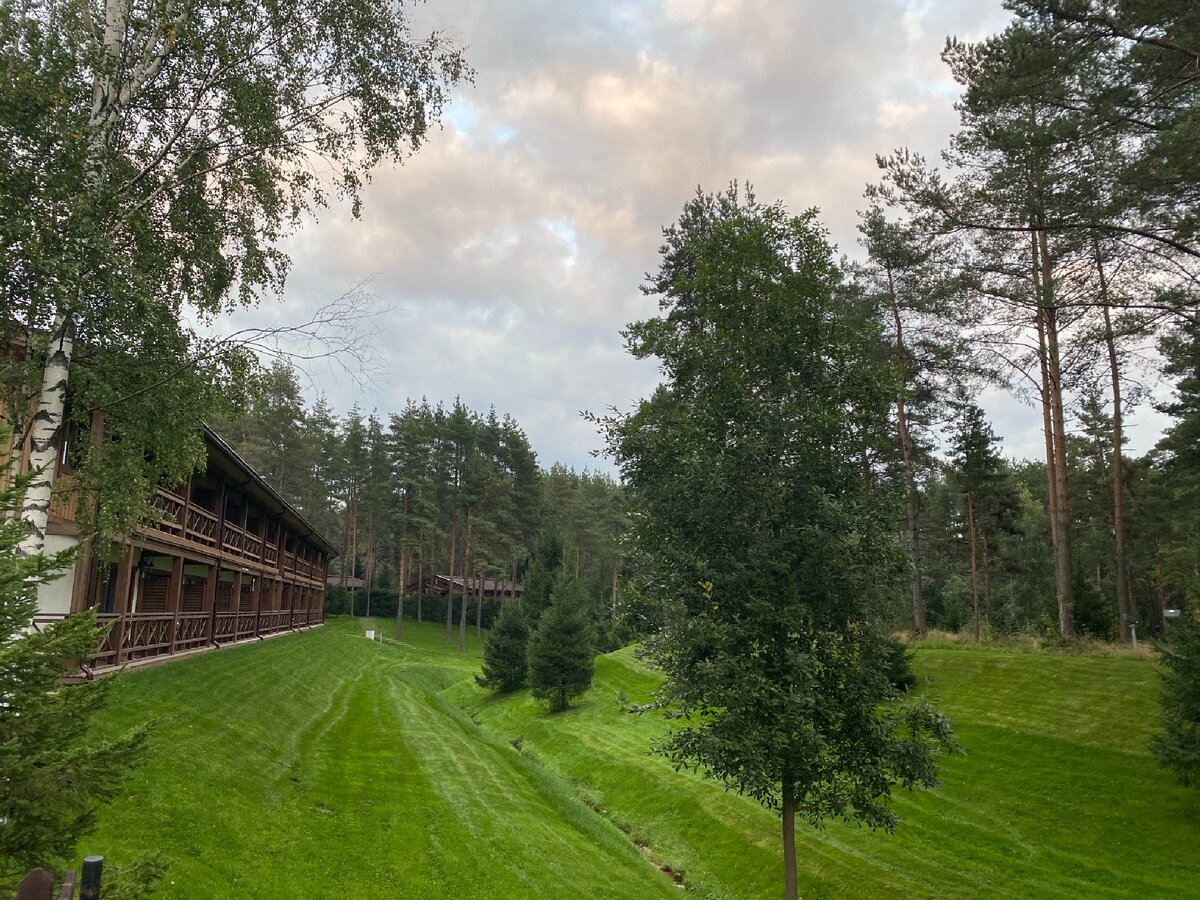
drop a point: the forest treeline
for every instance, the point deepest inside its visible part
(1051, 252)
(431, 490)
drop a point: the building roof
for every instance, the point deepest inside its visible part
(353, 582)
(228, 460)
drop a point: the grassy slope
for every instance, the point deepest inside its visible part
(322, 765)
(1056, 795)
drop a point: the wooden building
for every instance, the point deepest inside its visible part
(444, 584)
(230, 560)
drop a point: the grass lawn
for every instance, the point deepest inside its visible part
(322, 764)
(1056, 795)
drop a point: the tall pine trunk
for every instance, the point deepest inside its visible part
(462, 614)
(1063, 575)
(450, 586)
(974, 565)
(478, 604)
(1124, 613)
(910, 490)
(400, 598)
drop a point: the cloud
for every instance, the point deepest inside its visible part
(507, 254)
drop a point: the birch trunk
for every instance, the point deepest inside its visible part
(44, 433)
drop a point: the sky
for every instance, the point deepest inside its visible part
(506, 256)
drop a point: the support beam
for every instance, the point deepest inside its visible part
(123, 585)
(175, 595)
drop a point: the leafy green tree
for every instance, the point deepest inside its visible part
(561, 652)
(54, 771)
(755, 523)
(1178, 746)
(153, 154)
(505, 656)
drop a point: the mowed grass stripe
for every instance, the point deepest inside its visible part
(306, 766)
(1027, 812)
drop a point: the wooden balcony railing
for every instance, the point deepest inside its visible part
(146, 635)
(171, 506)
(202, 526)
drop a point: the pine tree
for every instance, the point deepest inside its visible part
(561, 662)
(54, 774)
(505, 652)
(547, 563)
(1178, 747)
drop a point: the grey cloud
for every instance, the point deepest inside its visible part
(508, 252)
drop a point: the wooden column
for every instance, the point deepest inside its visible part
(174, 593)
(235, 593)
(210, 596)
(256, 601)
(124, 578)
(79, 584)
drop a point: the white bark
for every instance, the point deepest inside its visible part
(45, 431)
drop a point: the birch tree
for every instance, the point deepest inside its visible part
(154, 153)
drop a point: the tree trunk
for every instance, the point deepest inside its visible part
(1047, 424)
(987, 579)
(910, 490)
(462, 614)
(400, 596)
(790, 887)
(45, 430)
(478, 604)
(450, 586)
(1124, 613)
(1064, 583)
(616, 565)
(974, 567)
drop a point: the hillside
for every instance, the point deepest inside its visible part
(325, 764)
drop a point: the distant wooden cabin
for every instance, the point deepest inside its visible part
(353, 583)
(229, 561)
(443, 584)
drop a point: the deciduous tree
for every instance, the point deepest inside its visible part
(755, 525)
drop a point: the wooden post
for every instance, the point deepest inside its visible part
(174, 592)
(235, 593)
(124, 579)
(210, 597)
(256, 600)
(37, 885)
(93, 867)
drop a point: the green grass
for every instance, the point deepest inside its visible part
(321, 765)
(324, 765)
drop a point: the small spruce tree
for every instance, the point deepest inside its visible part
(1178, 747)
(504, 651)
(53, 774)
(561, 649)
(543, 571)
